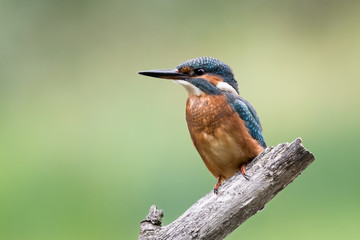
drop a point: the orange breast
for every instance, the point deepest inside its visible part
(219, 134)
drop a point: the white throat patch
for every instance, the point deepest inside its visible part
(191, 89)
(226, 87)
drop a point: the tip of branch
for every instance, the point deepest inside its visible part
(152, 222)
(155, 216)
(299, 141)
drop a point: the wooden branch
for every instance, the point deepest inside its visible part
(216, 216)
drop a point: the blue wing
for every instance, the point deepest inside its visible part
(248, 114)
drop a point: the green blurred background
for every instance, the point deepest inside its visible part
(87, 145)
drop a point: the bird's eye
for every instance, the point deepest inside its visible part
(199, 72)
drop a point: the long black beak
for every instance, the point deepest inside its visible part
(167, 73)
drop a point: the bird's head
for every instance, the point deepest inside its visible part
(200, 75)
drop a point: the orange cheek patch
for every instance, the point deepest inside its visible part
(213, 79)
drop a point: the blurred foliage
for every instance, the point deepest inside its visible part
(87, 145)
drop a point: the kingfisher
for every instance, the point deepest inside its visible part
(224, 127)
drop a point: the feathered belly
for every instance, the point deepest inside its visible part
(221, 153)
(219, 135)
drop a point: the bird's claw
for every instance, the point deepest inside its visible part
(247, 177)
(217, 185)
(243, 172)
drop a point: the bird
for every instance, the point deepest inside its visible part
(224, 127)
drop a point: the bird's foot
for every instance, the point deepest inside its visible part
(243, 171)
(217, 185)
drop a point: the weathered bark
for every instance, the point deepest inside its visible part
(216, 216)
